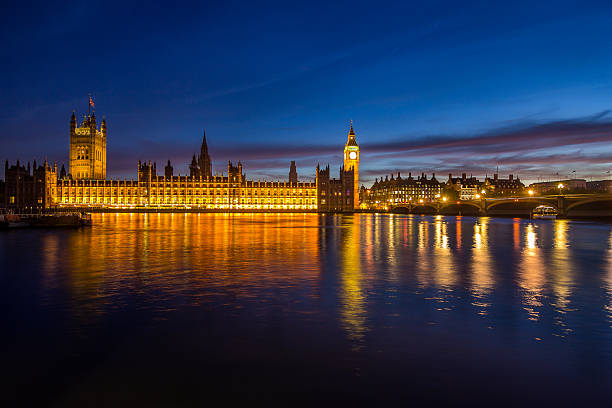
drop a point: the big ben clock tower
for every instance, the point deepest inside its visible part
(351, 161)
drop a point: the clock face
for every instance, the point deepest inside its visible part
(352, 155)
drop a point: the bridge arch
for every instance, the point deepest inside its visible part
(425, 208)
(463, 207)
(588, 201)
(402, 209)
(525, 203)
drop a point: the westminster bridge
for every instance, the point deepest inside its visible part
(566, 205)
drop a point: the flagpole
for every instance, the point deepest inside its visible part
(89, 105)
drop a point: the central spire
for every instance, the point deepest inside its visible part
(204, 147)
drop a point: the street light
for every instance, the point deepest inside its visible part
(443, 198)
(530, 192)
(561, 187)
(477, 196)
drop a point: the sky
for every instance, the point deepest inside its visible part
(431, 86)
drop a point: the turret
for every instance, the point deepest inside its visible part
(293, 177)
(92, 124)
(168, 171)
(194, 170)
(72, 123)
(103, 126)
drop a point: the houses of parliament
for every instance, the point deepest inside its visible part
(85, 187)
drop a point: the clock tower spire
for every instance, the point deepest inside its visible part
(351, 161)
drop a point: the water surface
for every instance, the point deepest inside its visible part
(167, 309)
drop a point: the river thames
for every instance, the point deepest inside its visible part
(160, 310)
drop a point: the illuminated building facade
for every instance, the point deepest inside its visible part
(86, 187)
(397, 191)
(226, 192)
(464, 188)
(87, 152)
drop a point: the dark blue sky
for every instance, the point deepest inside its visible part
(432, 86)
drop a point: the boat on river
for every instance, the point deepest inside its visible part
(44, 220)
(545, 212)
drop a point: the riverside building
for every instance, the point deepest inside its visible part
(85, 186)
(398, 191)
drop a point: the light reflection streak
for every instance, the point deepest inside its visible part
(190, 256)
(531, 274)
(482, 282)
(562, 274)
(190, 259)
(443, 260)
(352, 299)
(423, 263)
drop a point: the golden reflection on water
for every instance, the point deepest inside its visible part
(191, 255)
(562, 274)
(482, 282)
(352, 298)
(177, 260)
(423, 260)
(531, 274)
(444, 270)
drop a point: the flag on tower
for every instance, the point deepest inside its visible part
(91, 102)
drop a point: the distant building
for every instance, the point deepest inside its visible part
(503, 187)
(552, 187)
(465, 188)
(293, 177)
(402, 191)
(601, 186)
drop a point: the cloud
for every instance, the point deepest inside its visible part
(533, 150)
(529, 148)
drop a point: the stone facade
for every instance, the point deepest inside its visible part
(29, 189)
(335, 195)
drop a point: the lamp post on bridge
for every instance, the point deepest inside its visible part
(560, 187)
